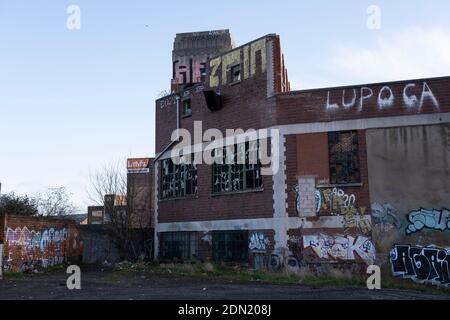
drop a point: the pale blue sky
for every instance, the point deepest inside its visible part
(73, 100)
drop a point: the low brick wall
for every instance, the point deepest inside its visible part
(34, 242)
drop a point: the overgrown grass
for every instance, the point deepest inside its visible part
(240, 274)
(406, 284)
(13, 275)
(227, 273)
(54, 269)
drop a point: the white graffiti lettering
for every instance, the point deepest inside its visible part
(385, 98)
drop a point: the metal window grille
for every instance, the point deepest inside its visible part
(344, 157)
(179, 245)
(179, 180)
(237, 168)
(230, 246)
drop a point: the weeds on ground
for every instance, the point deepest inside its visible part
(331, 277)
(13, 275)
(239, 274)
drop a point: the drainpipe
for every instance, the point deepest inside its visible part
(178, 117)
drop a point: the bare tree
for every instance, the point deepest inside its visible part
(125, 203)
(55, 202)
(111, 179)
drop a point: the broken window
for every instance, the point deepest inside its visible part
(236, 73)
(187, 108)
(179, 180)
(178, 245)
(237, 168)
(230, 246)
(344, 157)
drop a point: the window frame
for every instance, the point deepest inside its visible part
(335, 179)
(234, 80)
(190, 174)
(188, 240)
(235, 170)
(184, 113)
(228, 241)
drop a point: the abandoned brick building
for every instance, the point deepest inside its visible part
(360, 174)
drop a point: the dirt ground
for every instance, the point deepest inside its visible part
(112, 286)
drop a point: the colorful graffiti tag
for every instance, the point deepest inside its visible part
(337, 202)
(428, 219)
(26, 248)
(341, 247)
(424, 265)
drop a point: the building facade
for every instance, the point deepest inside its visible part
(356, 176)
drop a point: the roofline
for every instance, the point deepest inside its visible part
(361, 85)
(203, 32)
(243, 45)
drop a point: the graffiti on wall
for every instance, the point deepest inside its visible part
(258, 242)
(232, 58)
(26, 247)
(424, 265)
(339, 203)
(386, 216)
(428, 219)
(283, 259)
(385, 97)
(207, 238)
(336, 202)
(346, 248)
(190, 70)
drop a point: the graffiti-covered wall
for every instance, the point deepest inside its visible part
(409, 175)
(37, 242)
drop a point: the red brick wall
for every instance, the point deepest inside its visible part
(206, 207)
(31, 242)
(140, 198)
(312, 156)
(245, 106)
(311, 152)
(311, 105)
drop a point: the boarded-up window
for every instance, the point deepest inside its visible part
(344, 157)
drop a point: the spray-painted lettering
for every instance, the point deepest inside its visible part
(386, 98)
(428, 219)
(428, 265)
